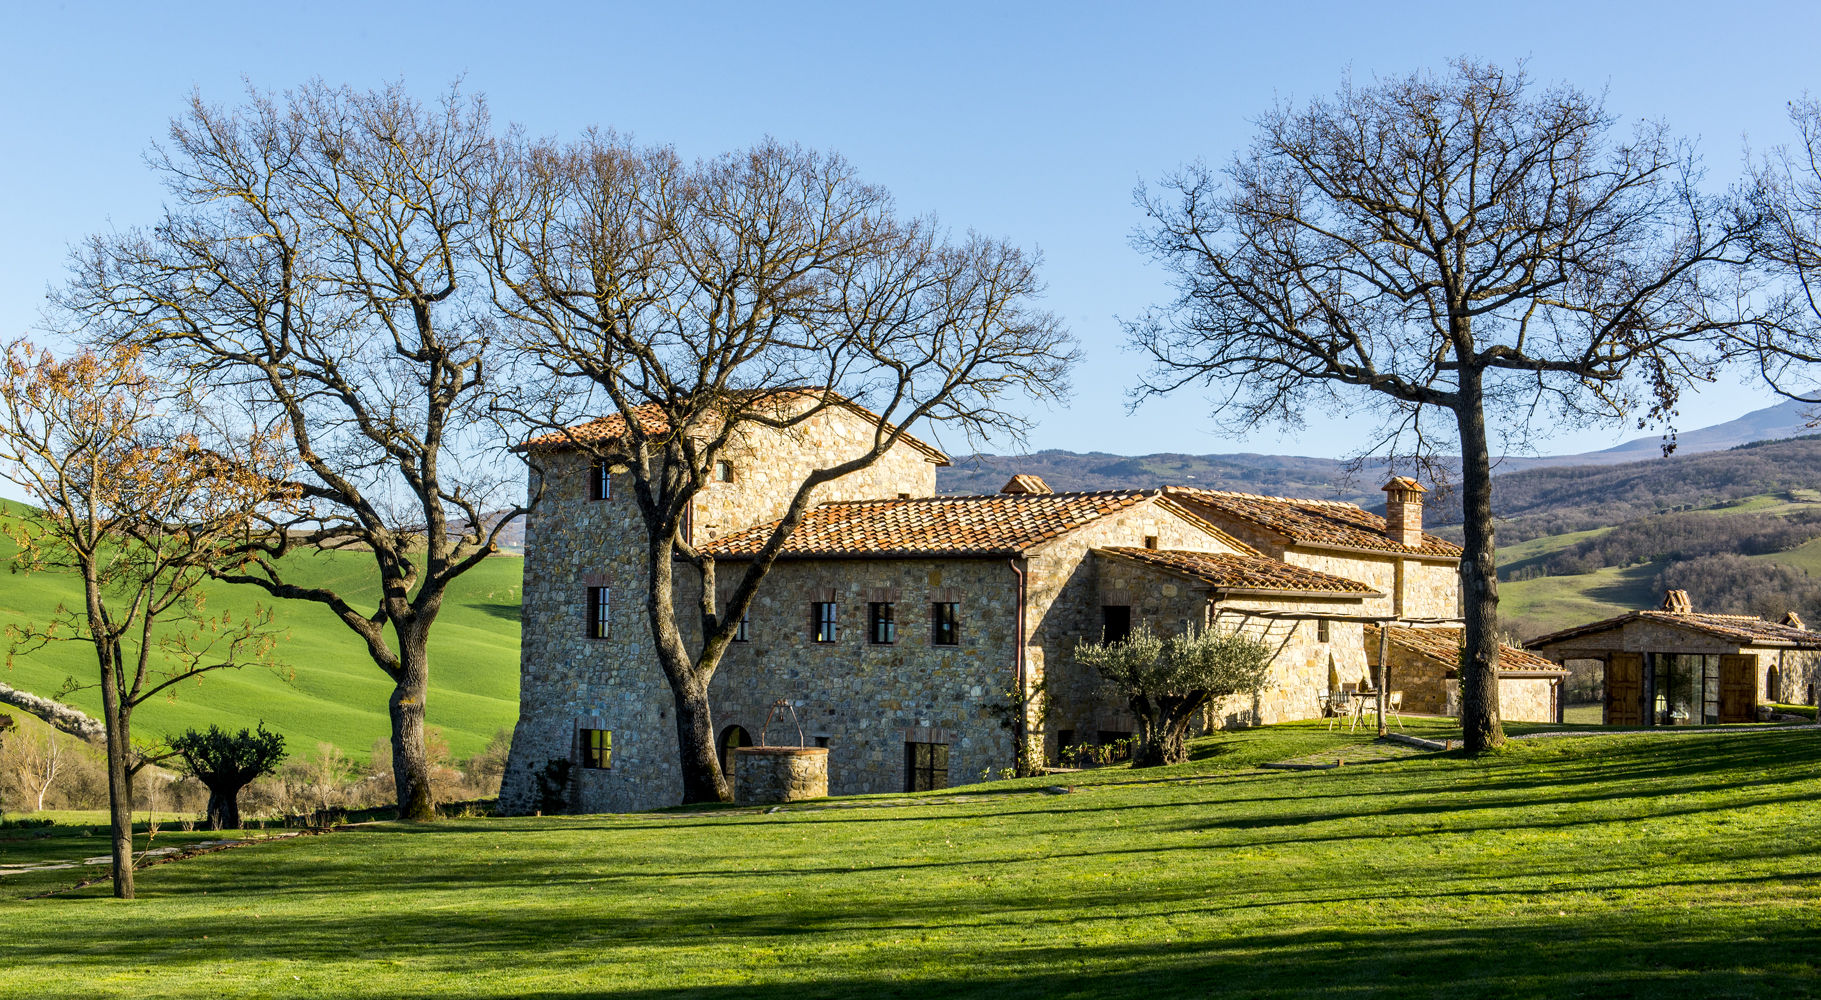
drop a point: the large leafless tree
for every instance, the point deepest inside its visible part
(1446, 249)
(756, 289)
(316, 270)
(1788, 352)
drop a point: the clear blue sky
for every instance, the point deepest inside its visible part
(1032, 122)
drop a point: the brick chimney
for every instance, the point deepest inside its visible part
(1677, 602)
(1794, 620)
(1404, 511)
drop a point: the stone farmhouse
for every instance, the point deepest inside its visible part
(918, 636)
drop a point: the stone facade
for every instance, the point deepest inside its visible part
(872, 704)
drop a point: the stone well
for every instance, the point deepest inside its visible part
(779, 774)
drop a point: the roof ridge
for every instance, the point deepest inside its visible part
(1016, 497)
(1239, 495)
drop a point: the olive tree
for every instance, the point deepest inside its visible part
(1168, 681)
(316, 272)
(1466, 254)
(225, 763)
(759, 289)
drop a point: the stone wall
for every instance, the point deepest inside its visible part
(865, 701)
(1303, 667)
(1423, 680)
(768, 464)
(1412, 588)
(1064, 605)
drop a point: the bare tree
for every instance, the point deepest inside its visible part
(1439, 249)
(759, 289)
(37, 759)
(1788, 352)
(142, 518)
(317, 268)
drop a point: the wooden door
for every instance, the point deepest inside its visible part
(1738, 688)
(1625, 689)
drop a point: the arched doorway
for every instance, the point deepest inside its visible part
(731, 737)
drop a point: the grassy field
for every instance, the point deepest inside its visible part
(1661, 866)
(327, 689)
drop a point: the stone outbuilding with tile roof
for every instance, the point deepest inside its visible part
(921, 637)
(1678, 666)
(1424, 663)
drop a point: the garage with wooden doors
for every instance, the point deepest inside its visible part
(1679, 667)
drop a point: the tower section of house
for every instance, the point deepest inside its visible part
(593, 702)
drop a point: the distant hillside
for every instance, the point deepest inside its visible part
(1282, 475)
(1573, 498)
(327, 690)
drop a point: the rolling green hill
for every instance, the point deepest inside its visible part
(327, 689)
(1532, 605)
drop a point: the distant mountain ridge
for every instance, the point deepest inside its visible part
(1333, 479)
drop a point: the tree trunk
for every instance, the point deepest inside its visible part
(703, 780)
(410, 762)
(119, 782)
(701, 766)
(1480, 725)
(224, 807)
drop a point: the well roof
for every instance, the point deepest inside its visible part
(1227, 571)
(1747, 630)
(1317, 523)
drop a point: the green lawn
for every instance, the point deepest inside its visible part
(1660, 866)
(327, 689)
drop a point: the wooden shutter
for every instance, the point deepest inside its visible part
(1738, 689)
(1625, 689)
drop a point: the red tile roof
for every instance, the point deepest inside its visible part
(652, 419)
(1313, 523)
(1443, 644)
(1001, 524)
(1747, 630)
(1229, 572)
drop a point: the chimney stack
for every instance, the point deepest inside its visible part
(1794, 620)
(1404, 511)
(1024, 482)
(1677, 602)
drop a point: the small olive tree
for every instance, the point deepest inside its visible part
(1166, 681)
(227, 762)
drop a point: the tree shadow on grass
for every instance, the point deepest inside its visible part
(913, 948)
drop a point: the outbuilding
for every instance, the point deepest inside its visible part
(1676, 666)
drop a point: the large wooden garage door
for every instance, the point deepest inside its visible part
(1625, 689)
(1738, 688)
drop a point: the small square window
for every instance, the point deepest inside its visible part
(823, 621)
(881, 623)
(600, 481)
(1321, 630)
(945, 623)
(723, 471)
(1115, 622)
(600, 601)
(597, 749)
(1150, 541)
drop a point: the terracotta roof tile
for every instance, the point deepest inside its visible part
(1005, 523)
(1329, 523)
(1443, 644)
(1226, 571)
(651, 417)
(1745, 629)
